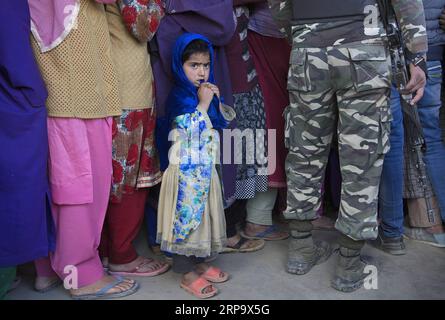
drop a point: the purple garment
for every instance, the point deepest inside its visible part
(211, 18)
(261, 21)
(52, 21)
(214, 20)
(24, 225)
(242, 70)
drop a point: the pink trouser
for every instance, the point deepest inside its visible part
(80, 178)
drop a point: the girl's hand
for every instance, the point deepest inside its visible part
(205, 95)
(215, 89)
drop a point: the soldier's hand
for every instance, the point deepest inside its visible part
(442, 19)
(416, 84)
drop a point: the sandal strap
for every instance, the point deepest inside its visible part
(144, 262)
(148, 262)
(105, 289)
(212, 272)
(239, 244)
(269, 230)
(200, 284)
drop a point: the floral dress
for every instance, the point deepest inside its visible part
(135, 158)
(191, 213)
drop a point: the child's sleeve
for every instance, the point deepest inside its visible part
(227, 112)
(142, 18)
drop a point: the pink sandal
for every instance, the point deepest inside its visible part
(214, 274)
(197, 288)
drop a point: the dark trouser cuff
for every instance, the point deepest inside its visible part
(303, 226)
(183, 264)
(300, 229)
(345, 241)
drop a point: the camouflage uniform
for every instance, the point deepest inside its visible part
(339, 78)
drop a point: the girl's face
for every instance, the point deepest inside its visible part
(197, 68)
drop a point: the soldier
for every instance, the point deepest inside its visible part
(339, 79)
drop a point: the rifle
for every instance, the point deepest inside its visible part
(411, 122)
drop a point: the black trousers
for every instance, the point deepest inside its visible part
(184, 264)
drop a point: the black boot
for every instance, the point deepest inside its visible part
(304, 253)
(349, 273)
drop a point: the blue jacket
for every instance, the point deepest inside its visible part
(436, 36)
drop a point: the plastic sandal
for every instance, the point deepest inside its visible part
(214, 274)
(137, 271)
(102, 293)
(197, 288)
(238, 247)
(265, 235)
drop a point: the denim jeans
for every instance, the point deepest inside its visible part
(429, 110)
(391, 184)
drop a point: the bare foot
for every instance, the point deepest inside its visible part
(44, 284)
(200, 268)
(189, 277)
(247, 246)
(233, 240)
(211, 273)
(156, 249)
(105, 262)
(141, 266)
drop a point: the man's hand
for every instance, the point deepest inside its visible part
(416, 84)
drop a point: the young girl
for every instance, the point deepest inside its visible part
(191, 222)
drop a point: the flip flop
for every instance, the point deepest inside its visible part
(259, 244)
(216, 275)
(136, 271)
(264, 234)
(197, 288)
(102, 293)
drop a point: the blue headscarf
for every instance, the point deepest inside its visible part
(183, 98)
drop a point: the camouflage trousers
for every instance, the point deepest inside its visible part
(344, 88)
